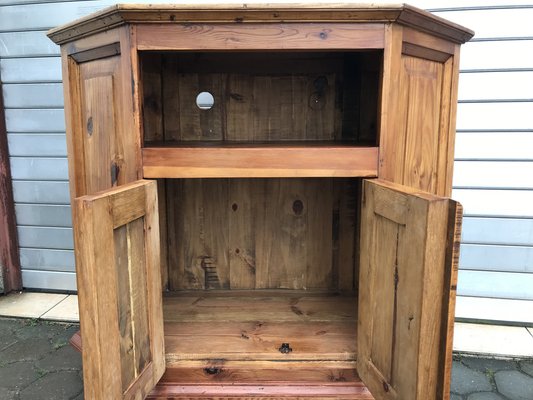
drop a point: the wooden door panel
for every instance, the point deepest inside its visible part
(407, 290)
(119, 289)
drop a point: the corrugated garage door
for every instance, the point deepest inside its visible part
(494, 154)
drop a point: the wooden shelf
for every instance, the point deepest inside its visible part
(259, 161)
(251, 325)
(228, 341)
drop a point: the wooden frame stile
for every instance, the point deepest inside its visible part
(9, 253)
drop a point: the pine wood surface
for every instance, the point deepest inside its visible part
(252, 326)
(402, 290)
(254, 13)
(260, 98)
(259, 162)
(119, 289)
(222, 343)
(261, 233)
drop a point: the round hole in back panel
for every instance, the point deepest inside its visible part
(205, 101)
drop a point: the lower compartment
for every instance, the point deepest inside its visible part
(271, 343)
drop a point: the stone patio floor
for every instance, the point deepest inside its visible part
(37, 362)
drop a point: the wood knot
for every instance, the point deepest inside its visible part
(298, 207)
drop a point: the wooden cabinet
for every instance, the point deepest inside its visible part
(259, 200)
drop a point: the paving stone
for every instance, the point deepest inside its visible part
(515, 385)
(64, 358)
(485, 396)
(27, 349)
(17, 375)
(466, 380)
(527, 367)
(62, 385)
(6, 394)
(40, 329)
(79, 397)
(489, 364)
(455, 397)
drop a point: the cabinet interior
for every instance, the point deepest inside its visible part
(261, 97)
(251, 264)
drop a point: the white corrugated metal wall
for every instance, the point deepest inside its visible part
(494, 151)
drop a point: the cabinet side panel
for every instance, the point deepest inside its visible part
(102, 125)
(418, 113)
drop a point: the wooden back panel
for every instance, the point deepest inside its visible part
(262, 233)
(298, 96)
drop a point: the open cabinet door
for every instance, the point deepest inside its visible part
(119, 289)
(408, 272)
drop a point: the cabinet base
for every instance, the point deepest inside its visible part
(261, 381)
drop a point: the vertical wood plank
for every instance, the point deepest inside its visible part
(347, 231)
(122, 261)
(243, 200)
(424, 86)
(449, 102)
(138, 294)
(196, 124)
(152, 94)
(385, 235)
(215, 234)
(170, 93)
(153, 285)
(393, 101)
(98, 301)
(9, 252)
(100, 130)
(240, 107)
(163, 231)
(449, 298)
(319, 237)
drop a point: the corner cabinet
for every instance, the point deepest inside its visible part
(259, 200)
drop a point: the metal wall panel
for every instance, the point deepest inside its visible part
(498, 231)
(496, 203)
(506, 23)
(496, 145)
(43, 215)
(47, 259)
(40, 95)
(43, 69)
(502, 55)
(39, 169)
(493, 174)
(504, 285)
(35, 120)
(41, 192)
(45, 237)
(49, 280)
(496, 258)
(494, 116)
(37, 144)
(35, 43)
(490, 86)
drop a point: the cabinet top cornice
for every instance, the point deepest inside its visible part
(122, 14)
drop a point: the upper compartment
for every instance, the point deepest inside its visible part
(216, 98)
(298, 90)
